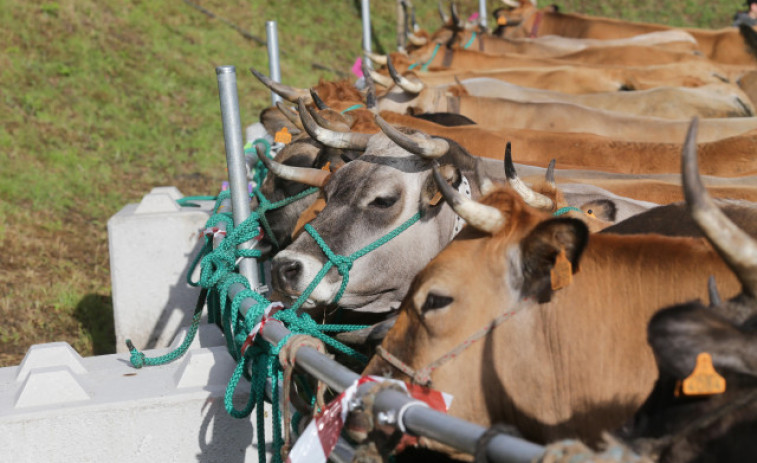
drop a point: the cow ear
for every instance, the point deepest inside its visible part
(430, 195)
(552, 241)
(680, 333)
(602, 209)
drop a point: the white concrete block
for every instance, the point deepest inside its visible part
(59, 407)
(152, 245)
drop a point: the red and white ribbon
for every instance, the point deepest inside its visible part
(270, 310)
(213, 232)
(320, 436)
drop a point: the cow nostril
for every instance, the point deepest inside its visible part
(288, 271)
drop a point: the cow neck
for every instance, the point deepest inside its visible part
(657, 445)
(422, 376)
(343, 264)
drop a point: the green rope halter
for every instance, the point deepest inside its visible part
(424, 66)
(470, 42)
(565, 210)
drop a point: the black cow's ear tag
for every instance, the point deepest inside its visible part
(561, 274)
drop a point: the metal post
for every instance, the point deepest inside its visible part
(272, 39)
(365, 9)
(482, 13)
(232, 135)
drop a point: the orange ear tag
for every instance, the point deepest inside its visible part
(704, 380)
(562, 273)
(502, 21)
(435, 200)
(283, 136)
(327, 166)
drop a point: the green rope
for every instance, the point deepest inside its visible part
(264, 205)
(565, 210)
(470, 42)
(352, 108)
(187, 200)
(424, 66)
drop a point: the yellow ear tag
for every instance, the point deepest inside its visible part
(704, 380)
(435, 200)
(502, 21)
(562, 273)
(283, 136)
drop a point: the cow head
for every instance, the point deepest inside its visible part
(674, 426)
(366, 200)
(514, 19)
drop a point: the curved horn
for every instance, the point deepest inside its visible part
(307, 175)
(290, 114)
(376, 58)
(426, 148)
(456, 21)
(328, 124)
(319, 103)
(531, 197)
(381, 79)
(549, 176)
(480, 216)
(403, 82)
(370, 86)
(736, 247)
(348, 140)
(290, 94)
(417, 41)
(442, 15)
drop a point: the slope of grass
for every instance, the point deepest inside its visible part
(102, 100)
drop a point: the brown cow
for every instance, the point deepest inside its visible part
(723, 45)
(570, 361)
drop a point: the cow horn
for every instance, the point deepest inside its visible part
(319, 103)
(307, 175)
(456, 21)
(417, 41)
(290, 114)
(712, 290)
(485, 184)
(480, 216)
(381, 79)
(290, 94)
(347, 140)
(403, 82)
(413, 22)
(736, 247)
(549, 176)
(426, 148)
(442, 15)
(328, 124)
(376, 58)
(531, 197)
(370, 86)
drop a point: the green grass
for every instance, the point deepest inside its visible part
(102, 100)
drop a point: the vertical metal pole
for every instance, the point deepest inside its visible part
(482, 13)
(272, 39)
(232, 135)
(365, 9)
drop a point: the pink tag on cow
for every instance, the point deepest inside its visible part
(473, 17)
(357, 68)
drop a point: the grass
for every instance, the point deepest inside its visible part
(102, 100)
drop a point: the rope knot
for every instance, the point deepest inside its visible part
(137, 358)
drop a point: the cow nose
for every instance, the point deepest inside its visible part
(288, 272)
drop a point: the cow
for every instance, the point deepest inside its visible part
(565, 362)
(711, 347)
(725, 46)
(409, 94)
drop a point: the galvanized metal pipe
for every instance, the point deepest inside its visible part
(232, 135)
(365, 10)
(272, 39)
(482, 13)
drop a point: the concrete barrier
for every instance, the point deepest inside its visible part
(59, 407)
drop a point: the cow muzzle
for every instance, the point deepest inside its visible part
(292, 273)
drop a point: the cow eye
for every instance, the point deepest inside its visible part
(384, 202)
(435, 301)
